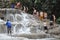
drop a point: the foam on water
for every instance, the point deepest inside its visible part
(24, 22)
(7, 37)
(23, 19)
(25, 30)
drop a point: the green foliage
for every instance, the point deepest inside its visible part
(50, 6)
(58, 20)
(44, 5)
(12, 1)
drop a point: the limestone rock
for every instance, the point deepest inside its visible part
(55, 31)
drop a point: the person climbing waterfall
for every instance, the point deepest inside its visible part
(45, 26)
(52, 19)
(9, 25)
(41, 15)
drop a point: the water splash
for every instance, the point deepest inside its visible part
(21, 18)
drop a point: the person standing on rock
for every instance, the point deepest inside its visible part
(41, 15)
(18, 5)
(45, 16)
(9, 25)
(45, 26)
(34, 11)
(52, 19)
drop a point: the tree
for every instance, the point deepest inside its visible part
(50, 6)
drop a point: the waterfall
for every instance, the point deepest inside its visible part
(23, 24)
(20, 19)
(24, 20)
(10, 17)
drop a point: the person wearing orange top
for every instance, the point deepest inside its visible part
(34, 11)
(45, 15)
(41, 15)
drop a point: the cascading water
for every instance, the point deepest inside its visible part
(25, 24)
(20, 19)
(10, 17)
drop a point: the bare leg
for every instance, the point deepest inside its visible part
(8, 30)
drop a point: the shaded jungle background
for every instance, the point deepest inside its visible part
(50, 6)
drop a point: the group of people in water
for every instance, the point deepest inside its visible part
(42, 15)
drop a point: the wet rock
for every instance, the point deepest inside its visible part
(27, 20)
(33, 35)
(55, 31)
(3, 28)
